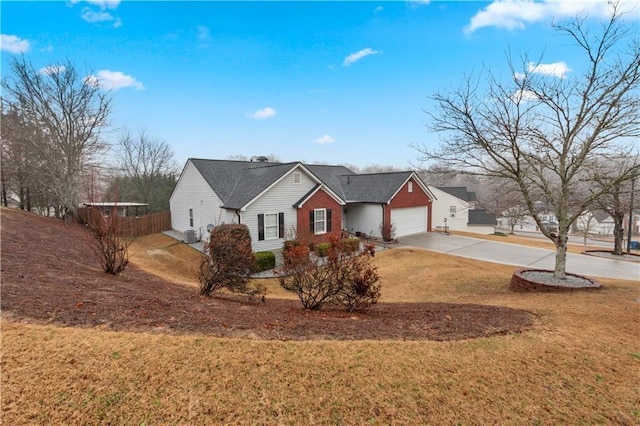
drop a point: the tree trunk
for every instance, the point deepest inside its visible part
(28, 195)
(618, 233)
(560, 271)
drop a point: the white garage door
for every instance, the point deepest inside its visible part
(410, 220)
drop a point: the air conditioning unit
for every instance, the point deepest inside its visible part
(189, 236)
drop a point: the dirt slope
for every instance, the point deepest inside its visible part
(49, 275)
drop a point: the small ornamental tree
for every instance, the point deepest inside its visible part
(343, 277)
(228, 261)
(106, 241)
(388, 231)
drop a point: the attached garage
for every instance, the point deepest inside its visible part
(410, 220)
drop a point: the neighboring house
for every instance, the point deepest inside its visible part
(120, 209)
(455, 209)
(279, 200)
(635, 223)
(595, 222)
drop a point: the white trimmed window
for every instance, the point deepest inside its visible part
(297, 178)
(410, 186)
(191, 218)
(452, 211)
(270, 226)
(320, 221)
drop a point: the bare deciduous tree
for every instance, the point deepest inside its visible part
(616, 200)
(146, 161)
(544, 132)
(504, 200)
(70, 110)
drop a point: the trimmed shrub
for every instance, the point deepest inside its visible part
(346, 278)
(321, 249)
(361, 288)
(228, 261)
(264, 260)
(350, 245)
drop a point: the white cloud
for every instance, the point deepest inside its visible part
(102, 4)
(113, 80)
(14, 44)
(354, 57)
(263, 113)
(418, 2)
(105, 4)
(324, 139)
(52, 69)
(556, 69)
(93, 17)
(98, 11)
(516, 14)
(203, 33)
(523, 96)
(377, 9)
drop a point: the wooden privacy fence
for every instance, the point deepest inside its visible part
(129, 226)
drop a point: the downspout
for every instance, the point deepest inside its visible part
(239, 218)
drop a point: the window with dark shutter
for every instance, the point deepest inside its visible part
(280, 225)
(260, 227)
(312, 221)
(328, 220)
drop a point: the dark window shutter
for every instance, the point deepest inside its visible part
(312, 219)
(260, 227)
(280, 225)
(328, 220)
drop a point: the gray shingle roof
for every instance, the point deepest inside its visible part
(600, 215)
(330, 176)
(459, 192)
(373, 187)
(481, 217)
(238, 182)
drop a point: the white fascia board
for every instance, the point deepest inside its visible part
(294, 168)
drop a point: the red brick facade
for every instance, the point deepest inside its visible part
(320, 200)
(404, 198)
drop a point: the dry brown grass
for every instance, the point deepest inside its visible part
(163, 256)
(579, 365)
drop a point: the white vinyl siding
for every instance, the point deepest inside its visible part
(279, 198)
(192, 192)
(442, 208)
(410, 220)
(364, 218)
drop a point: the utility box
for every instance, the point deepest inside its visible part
(189, 236)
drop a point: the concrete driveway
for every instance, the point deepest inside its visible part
(518, 255)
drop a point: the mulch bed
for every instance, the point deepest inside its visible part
(49, 276)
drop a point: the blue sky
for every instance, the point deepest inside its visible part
(332, 82)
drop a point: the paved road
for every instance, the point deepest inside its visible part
(573, 239)
(518, 255)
